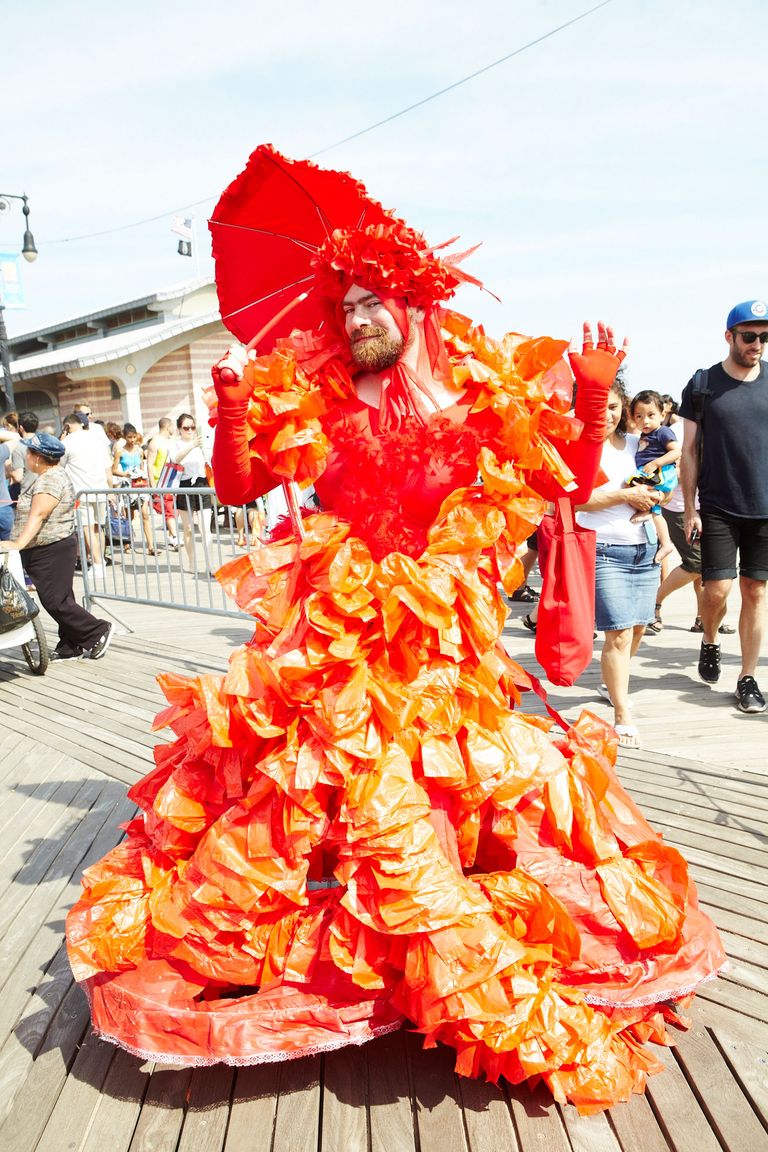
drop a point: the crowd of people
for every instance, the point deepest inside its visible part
(668, 486)
(106, 466)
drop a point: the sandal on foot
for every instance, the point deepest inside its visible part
(697, 625)
(603, 693)
(529, 624)
(656, 625)
(727, 630)
(524, 595)
(628, 735)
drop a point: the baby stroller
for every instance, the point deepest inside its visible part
(29, 635)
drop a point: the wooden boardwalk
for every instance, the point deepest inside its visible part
(72, 740)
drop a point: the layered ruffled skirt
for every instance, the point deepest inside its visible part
(353, 829)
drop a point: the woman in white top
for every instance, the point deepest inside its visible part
(188, 451)
(626, 574)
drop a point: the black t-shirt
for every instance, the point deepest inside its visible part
(734, 468)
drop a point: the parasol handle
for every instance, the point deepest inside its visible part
(275, 320)
(291, 491)
(228, 375)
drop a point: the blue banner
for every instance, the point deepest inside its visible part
(11, 287)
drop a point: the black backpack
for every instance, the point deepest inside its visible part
(699, 393)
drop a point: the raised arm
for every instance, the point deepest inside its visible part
(594, 370)
(238, 476)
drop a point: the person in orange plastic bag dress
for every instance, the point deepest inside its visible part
(356, 827)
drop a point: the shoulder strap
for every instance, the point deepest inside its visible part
(699, 392)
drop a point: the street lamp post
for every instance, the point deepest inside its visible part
(29, 252)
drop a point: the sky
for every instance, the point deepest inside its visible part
(614, 170)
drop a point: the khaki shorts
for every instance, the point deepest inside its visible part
(93, 509)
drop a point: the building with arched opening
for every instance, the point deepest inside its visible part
(135, 362)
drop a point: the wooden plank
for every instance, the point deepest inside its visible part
(254, 1107)
(438, 1114)
(590, 1133)
(63, 856)
(677, 1109)
(119, 1105)
(741, 948)
(636, 1126)
(727, 1109)
(345, 1098)
(32, 813)
(755, 911)
(392, 1109)
(36, 1098)
(705, 796)
(127, 768)
(205, 1123)
(44, 961)
(162, 1113)
(736, 996)
(83, 725)
(487, 1116)
(79, 1098)
(538, 1121)
(694, 779)
(752, 842)
(297, 1121)
(737, 886)
(749, 1066)
(747, 976)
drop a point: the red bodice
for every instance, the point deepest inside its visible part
(390, 485)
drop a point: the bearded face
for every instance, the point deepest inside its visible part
(374, 349)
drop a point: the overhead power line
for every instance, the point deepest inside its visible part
(355, 135)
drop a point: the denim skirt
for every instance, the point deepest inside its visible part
(626, 583)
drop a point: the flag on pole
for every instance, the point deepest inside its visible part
(182, 226)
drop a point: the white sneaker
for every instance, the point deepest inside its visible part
(99, 570)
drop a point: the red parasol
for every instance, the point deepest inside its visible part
(266, 227)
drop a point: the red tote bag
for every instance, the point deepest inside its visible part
(566, 621)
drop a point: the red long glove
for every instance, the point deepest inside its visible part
(594, 370)
(238, 476)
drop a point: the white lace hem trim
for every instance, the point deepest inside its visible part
(657, 997)
(254, 1058)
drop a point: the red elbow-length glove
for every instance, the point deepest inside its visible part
(238, 476)
(594, 371)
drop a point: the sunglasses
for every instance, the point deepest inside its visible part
(188, 427)
(750, 337)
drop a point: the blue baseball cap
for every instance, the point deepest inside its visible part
(747, 313)
(49, 447)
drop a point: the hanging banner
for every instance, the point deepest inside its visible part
(11, 287)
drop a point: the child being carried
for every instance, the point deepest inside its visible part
(656, 460)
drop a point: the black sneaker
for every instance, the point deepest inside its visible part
(100, 647)
(709, 662)
(64, 652)
(749, 698)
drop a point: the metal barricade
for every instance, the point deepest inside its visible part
(160, 546)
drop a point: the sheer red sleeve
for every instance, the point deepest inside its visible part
(238, 476)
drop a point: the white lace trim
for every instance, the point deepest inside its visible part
(657, 997)
(256, 1057)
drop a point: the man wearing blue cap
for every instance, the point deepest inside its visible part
(725, 450)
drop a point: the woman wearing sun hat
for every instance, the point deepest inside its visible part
(44, 533)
